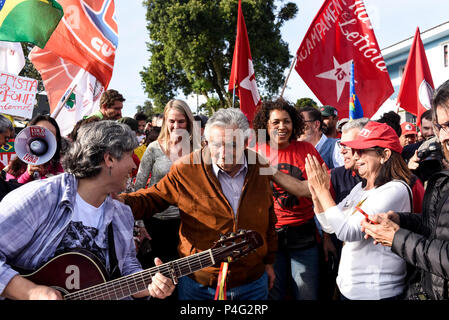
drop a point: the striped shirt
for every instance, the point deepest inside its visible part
(34, 219)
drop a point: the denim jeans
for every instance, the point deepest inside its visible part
(189, 289)
(300, 268)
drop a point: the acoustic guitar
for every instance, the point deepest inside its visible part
(79, 274)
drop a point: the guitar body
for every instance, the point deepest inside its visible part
(79, 275)
(70, 272)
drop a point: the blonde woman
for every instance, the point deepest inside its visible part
(175, 140)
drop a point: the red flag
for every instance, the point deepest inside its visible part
(56, 74)
(242, 71)
(87, 36)
(59, 77)
(341, 34)
(417, 87)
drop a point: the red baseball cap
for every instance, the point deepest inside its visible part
(376, 134)
(408, 128)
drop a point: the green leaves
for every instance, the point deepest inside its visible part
(192, 44)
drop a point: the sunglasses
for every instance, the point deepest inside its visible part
(362, 151)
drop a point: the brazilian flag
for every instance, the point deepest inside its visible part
(29, 20)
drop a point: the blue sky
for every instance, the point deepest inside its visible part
(393, 21)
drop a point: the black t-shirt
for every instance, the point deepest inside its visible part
(343, 181)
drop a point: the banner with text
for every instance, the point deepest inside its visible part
(17, 95)
(341, 35)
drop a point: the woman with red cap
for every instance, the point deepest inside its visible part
(366, 272)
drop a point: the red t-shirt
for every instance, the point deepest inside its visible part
(291, 210)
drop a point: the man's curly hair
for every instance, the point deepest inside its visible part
(263, 115)
(109, 97)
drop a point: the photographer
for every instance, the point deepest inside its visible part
(426, 130)
(423, 240)
(425, 157)
(427, 160)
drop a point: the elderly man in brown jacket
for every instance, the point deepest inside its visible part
(219, 189)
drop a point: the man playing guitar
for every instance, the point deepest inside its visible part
(75, 210)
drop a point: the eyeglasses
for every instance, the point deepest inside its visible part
(360, 152)
(341, 146)
(444, 127)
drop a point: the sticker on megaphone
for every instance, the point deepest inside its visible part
(35, 145)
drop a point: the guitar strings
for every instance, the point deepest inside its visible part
(106, 290)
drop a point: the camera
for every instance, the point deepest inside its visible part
(430, 157)
(430, 150)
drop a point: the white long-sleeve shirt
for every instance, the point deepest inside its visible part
(367, 271)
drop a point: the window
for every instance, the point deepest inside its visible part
(401, 70)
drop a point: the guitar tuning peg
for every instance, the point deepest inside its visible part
(222, 237)
(233, 234)
(241, 231)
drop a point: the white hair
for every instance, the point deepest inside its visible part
(354, 124)
(226, 118)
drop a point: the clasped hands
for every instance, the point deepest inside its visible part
(387, 223)
(383, 232)
(317, 176)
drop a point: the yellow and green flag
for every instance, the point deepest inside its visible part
(29, 20)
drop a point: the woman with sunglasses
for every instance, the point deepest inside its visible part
(366, 271)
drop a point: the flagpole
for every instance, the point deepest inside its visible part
(351, 75)
(68, 93)
(236, 60)
(288, 76)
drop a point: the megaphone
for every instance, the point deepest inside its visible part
(35, 145)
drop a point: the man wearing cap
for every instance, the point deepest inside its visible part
(330, 119)
(409, 134)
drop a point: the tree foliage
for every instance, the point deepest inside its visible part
(147, 109)
(305, 102)
(29, 70)
(192, 44)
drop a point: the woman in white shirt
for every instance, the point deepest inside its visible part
(366, 271)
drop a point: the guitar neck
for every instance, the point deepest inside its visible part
(129, 285)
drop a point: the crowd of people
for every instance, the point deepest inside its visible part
(346, 209)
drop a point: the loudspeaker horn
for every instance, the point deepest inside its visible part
(35, 145)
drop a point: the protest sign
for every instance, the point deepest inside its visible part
(17, 95)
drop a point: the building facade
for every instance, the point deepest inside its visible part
(436, 45)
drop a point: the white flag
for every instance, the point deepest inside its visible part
(12, 59)
(83, 100)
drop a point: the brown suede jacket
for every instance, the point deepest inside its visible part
(206, 213)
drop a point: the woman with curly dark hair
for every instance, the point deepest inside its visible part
(277, 126)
